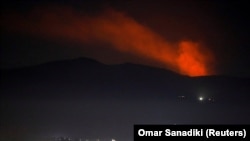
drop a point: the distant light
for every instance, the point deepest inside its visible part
(181, 97)
(113, 140)
(211, 99)
(201, 98)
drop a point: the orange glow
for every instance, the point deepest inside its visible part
(120, 31)
(190, 61)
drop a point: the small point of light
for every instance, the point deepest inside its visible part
(201, 98)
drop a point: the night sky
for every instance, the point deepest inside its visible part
(93, 69)
(210, 36)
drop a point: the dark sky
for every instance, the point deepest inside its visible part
(221, 29)
(83, 97)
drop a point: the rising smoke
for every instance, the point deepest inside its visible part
(122, 32)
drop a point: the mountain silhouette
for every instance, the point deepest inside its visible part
(87, 78)
(83, 97)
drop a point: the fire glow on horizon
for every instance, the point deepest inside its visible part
(120, 31)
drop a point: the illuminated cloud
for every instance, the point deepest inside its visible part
(123, 33)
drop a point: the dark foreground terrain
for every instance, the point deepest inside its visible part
(84, 98)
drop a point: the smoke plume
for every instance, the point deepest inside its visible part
(122, 32)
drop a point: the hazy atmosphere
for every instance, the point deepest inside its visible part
(89, 70)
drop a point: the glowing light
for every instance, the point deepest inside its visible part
(190, 61)
(201, 98)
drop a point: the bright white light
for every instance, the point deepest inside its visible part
(201, 98)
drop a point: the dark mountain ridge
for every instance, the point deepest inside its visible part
(85, 98)
(87, 78)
